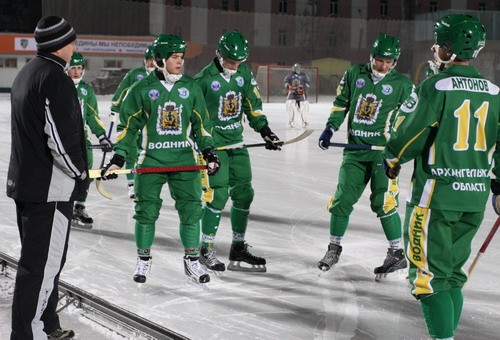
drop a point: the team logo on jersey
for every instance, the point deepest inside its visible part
(410, 103)
(140, 77)
(367, 109)
(84, 91)
(215, 86)
(169, 119)
(154, 94)
(240, 81)
(229, 106)
(183, 92)
(386, 89)
(360, 82)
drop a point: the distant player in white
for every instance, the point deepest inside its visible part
(296, 101)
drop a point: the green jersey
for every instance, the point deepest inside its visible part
(172, 118)
(449, 125)
(90, 111)
(227, 100)
(369, 107)
(130, 78)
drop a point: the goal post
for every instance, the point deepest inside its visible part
(270, 80)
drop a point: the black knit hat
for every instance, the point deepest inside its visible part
(53, 33)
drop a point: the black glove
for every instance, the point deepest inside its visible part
(326, 136)
(270, 138)
(393, 172)
(106, 143)
(495, 198)
(116, 162)
(213, 163)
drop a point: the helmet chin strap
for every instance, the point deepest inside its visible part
(377, 74)
(148, 69)
(435, 49)
(225, 71)
(169, 78)
(76, 81)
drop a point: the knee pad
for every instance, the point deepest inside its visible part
(242, 197)
(189, 212)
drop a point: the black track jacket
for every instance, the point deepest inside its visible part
(48, 161)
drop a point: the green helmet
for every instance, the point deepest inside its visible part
(233, 45)
(460, 34)
(166, 44)
(386, 46)
(77, 60)
(148, 53)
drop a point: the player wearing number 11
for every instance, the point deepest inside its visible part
(449, 125)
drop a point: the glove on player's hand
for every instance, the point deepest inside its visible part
(324, 139)
(393, 172)
(106, 143)
(116, 162)
(270, 138)
(213, 163)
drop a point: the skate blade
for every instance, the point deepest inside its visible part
(81, 225)
(323, 271)
(193, 282)
(398, 275)
(217, 273)
(255, 268)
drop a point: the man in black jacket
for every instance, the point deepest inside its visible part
(47, 172)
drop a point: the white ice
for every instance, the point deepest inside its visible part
(289, 226)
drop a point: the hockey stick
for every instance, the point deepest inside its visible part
(358, 146)
(305, 134)
(300, 137)
(486, 242)
(96, 173)
(97, 146)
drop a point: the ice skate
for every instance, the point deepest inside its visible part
(80, 218)
(195, 273)
(331, 257)
(395, 262)
(142, 268)
(210, 261)
(61, 334)
(131, 190)
(239, 253)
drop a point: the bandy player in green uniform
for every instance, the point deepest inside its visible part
(90, 115)
(449, 126)
(231, 93)
(367, 95)
(130, 78)
(169, 108)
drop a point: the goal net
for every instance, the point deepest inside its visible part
(270, 80)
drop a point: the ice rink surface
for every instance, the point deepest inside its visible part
(289, 226)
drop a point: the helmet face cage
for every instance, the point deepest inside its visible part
(296, 68)
(164, 46)
(386, 47)
(461, 35)
(233, 45)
